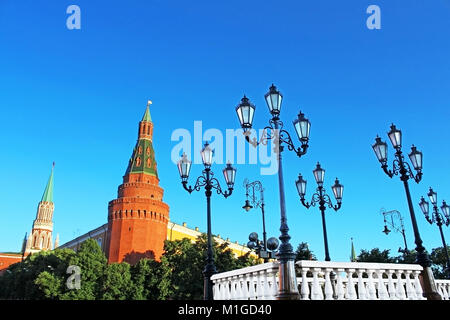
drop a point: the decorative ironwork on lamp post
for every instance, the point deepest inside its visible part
(265, 250)
(389, 217)
(245, 110)
(208, 181)
(402, 168)
(252, 201)
(439, 218)
(321, 198)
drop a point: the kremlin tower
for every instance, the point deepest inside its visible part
(138, 218)
(40, 237)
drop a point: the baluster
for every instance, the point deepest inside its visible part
(362, 293)
(259, 286)
(245, 287)
(382, 292)
(409, 288)
(400, 292)
(223, 292)
(215, 291)
(266, 288)
(316, 292)
(447, 291)
(439, 288)
(328, 287)
(339, 287)
(350, 292)
(239, 294)
(418, 286)
(391, 286)
(233, 288)
(444, 293)
(304, 290)
(251, 285)
(228, 289)
(219, 290)
(372, 293)
(274, 288)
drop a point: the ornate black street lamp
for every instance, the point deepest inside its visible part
(265, 250)
(245, 110)
(251, 189)
(439, 218)
(402, 168)
(208, 181)
(389, 217)
(321, 198)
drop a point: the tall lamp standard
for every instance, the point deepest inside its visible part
(321, 198)
(287, 289)
(439, 218)
(400, 229)
(250, 191)
(402, 168)
(208, 181)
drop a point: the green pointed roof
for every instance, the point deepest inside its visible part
(143, 159)
(48, 193)
(147, 117)
(353, 255)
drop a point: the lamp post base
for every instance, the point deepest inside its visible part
(287, 289)
(429, 286)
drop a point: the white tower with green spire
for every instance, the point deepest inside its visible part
(40, 237)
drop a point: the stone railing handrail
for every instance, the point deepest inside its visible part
(246, 270)
(357, 265)
(325, 280)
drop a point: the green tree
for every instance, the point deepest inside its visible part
(177, 276)
(303, 252)
(116, 282)
(439, 263)
(375, 255)
(186, 261)
(151, 280)
(49, 284)
(92, 263)
(39, 276)
(407, 258)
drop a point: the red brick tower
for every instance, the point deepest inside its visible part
(138, 218)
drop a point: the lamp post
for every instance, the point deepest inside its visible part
(321, 198)
(287, 289)
(250, 192)
(402, 168)
(264, 250)
(388, 217)
(208, 181)
(439, 218)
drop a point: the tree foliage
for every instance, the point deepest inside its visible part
(177, 276)
(375, 255)
(303, 252)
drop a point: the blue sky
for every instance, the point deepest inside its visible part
(75, 97)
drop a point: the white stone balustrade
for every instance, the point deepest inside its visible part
(443, 287)
(323, 280)
(358, 281)
(251, 283)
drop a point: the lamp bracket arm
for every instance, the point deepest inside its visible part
(266, 135)
(214, 183)
(307, 205)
